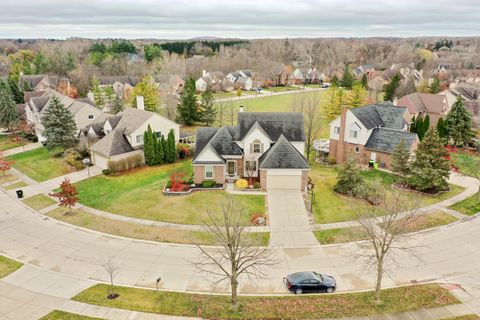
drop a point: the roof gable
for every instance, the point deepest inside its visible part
(112, 144)
(283, 155)
(385, 140)
(288, 124)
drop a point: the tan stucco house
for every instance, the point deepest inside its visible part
(265, 146)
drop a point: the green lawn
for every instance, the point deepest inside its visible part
(16, 185)
(459, 157)
(40, 164)
(38, 202)
(84, 219)
(62, 315)
(469, 206)
(8, 142)
(333, 207)
(429, 220)
(290, 307)
(139, 194)
(8, 266)
(341, 235)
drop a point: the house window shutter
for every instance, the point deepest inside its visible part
(261, 148)
(251, 147)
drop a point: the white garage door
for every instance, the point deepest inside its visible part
(99, 160)
(291, 179)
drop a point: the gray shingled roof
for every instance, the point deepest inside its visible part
(381, 115)
(131, 119)
(202, 138)
(385, 140)
(112, 144)
(289, 124)
(220, 139)
(368, 116)
(283, 155)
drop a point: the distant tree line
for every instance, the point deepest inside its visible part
(186, 47)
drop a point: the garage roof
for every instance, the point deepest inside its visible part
(283, 155)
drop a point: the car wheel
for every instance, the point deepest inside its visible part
(298, 291)
(330, 290)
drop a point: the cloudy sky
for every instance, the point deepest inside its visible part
(182, 19)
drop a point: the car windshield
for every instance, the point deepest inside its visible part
(319, 276)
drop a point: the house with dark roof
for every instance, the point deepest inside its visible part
(468, 92)
(119, 136)
(264, 146)
(41, 82)
(423, 104)
(370, 133)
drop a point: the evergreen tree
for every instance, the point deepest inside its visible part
(442, 129)
(435, 86)
(413, 124)
(430, 169)
(334, 107)
(401, 159)
(347, 78)
(209, 113)
(356, 97)
(15, 90)
(426, 124)
(335, 82)
(8, 110)
(391, 87)
(117, 105)
(60, 128)
(364, 81)
(164, 144)
(159, 152)
(459, 124)
(188, 112)
(148, 147)
(171, 149)
(420, 129)
(348, 178)
(154, 146)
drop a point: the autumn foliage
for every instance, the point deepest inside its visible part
(5, 164)
(67, 196)
(177, 182)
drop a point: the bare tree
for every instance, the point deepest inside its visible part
(386, 225)
(112, 268)
(310, 106)
(237, 255)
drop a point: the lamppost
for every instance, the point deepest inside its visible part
(86, 162)
(311, 192)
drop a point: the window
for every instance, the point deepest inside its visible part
(91, 117)
(354, 131)
(257, 146)
(251, 165)
(336, 130)
(158, 134)
(208, 172)
(139, 138)
(353, 134)
(357, 149)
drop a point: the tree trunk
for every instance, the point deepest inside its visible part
(378, 286)
(234, 285)
(478, 193)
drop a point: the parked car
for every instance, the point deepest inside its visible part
(310, 281)
(326, 85)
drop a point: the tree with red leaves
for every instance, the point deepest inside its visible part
(5, 164)
(67, 196)
(177, 182)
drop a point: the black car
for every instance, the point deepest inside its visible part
(310, 281)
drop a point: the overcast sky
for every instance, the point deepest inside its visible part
(182, 19)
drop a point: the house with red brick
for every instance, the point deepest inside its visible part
(264, 146)
(422, 104)
(370, 133)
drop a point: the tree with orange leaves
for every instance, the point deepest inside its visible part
(68, 90)
(5, 164)
(67, 196)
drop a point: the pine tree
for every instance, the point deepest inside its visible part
(391, 87)
(435, 86)
(8, 110)
(209, 113)
(413, 124)
(60, 128)
(420, 129)
(426, 124)
(164, 143)
(117, 105)
(148, 147)
(459, 124)
(401, 159)
(15, 90)
(349, 178)
(347, 78)
(364, 81)
(430, 169)
(159, 152)
(188, 112)
(442, 129)
(171, 154)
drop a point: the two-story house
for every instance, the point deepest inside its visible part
(265, 146)
(370, 133)
(423, 104)
(121, 135)
(83, 113)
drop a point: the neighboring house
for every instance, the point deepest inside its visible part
(170, 84)
(122, 85)
(83, 113)
(265, 146)
(215, 81)
(379, 80)
(120, 136)
(314, 76)
(364, 68)
(468, 91)
(370, 133)
(421, 104)
(285, 77)
(41, 82)
(244, 83)
(298, 76)
(242, 79)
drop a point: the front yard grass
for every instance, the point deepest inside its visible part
(40, 164)
(469, 206)
(333, 207)
(139, 194)
(291, 307)
(87, 220)
(341, 235)
(465, 317)
(62, 315)
(38, 202)
(8, 142)
(429, 220)
(8, 266)
(467, 157)
(16, 185)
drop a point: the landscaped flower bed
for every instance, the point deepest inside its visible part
(178, 185)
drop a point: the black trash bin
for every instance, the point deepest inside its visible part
(19, 194)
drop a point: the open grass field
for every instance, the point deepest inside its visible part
(87, 220)
(8, 266)
(139, 194)
(290, 307)
(40, 164)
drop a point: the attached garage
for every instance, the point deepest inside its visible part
(284, 179)
(99, 160)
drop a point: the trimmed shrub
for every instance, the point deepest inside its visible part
(127, 163)
(257, 185)
(108, 172)
(241, 184)
(208, 184)
(73, 158)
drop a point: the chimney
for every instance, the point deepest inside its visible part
(140, 104)
(341, 142)
(241, 109)
(204, 73)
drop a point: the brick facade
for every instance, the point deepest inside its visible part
(218, 174)
(263, 179)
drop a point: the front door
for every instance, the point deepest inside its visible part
(231, 168)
